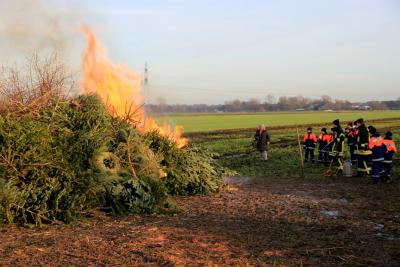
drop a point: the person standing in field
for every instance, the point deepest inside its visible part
(330, 146)
(309, 145)
(262, 141)
(323, 146)
(363, 152)
(338, 146)
(378, 149)
(388, 159)
(351, 134)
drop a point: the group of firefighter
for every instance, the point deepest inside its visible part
(369, 151)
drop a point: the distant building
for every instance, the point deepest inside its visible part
(361, 107)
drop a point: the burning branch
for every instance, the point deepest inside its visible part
(120, 90)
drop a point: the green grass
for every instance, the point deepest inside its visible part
(212, 122)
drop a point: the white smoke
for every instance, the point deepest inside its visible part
(38, 26)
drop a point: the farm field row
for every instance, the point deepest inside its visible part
(212, 122)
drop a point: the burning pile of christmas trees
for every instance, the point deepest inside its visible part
(61, 158)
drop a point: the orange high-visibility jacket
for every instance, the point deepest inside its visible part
(325, 137)
(328, 138)
(309, 140)
(310, 136)
(390, 145)
(375, 142)
(378, 148)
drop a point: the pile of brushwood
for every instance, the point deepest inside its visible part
(69, 158)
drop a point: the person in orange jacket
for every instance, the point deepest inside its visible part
(378, 149)
(309, 144)
(388, 158)
(324, 140)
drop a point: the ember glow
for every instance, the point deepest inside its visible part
(120, 89)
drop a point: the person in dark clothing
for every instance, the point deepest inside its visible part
(370, 127)
(351, 134)
(330, 146)
(378, 149)
(388, 160)
(309, 145)
(323, 146)
(338, 146)
(262, 141)
(363, 152)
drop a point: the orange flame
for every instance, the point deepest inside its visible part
(120, 90)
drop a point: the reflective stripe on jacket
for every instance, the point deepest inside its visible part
(338, 145)
(363, 141)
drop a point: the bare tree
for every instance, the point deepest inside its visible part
(271, 99)
(35, 86)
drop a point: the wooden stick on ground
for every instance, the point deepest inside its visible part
(301, 154)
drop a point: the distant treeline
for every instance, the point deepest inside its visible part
(282, 104)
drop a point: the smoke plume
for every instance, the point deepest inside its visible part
(37, 26)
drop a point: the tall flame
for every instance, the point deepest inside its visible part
(120, 90)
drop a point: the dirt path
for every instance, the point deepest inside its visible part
(256, 221)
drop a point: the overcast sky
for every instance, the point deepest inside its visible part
(209, 51)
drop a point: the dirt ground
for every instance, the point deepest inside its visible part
(254, 222)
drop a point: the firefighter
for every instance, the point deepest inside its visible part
(324, 140)
(309, 144)
(262, 141)
(351, 134)
(388, 160)
(363, 152)
(338, 146)
(330, 137)
(378, 149)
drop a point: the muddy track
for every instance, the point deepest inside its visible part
(254, 222)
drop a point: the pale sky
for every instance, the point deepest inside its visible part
(204, 51)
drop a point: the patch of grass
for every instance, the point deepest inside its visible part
(212, 122)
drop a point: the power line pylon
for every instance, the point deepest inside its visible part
(146, 89)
